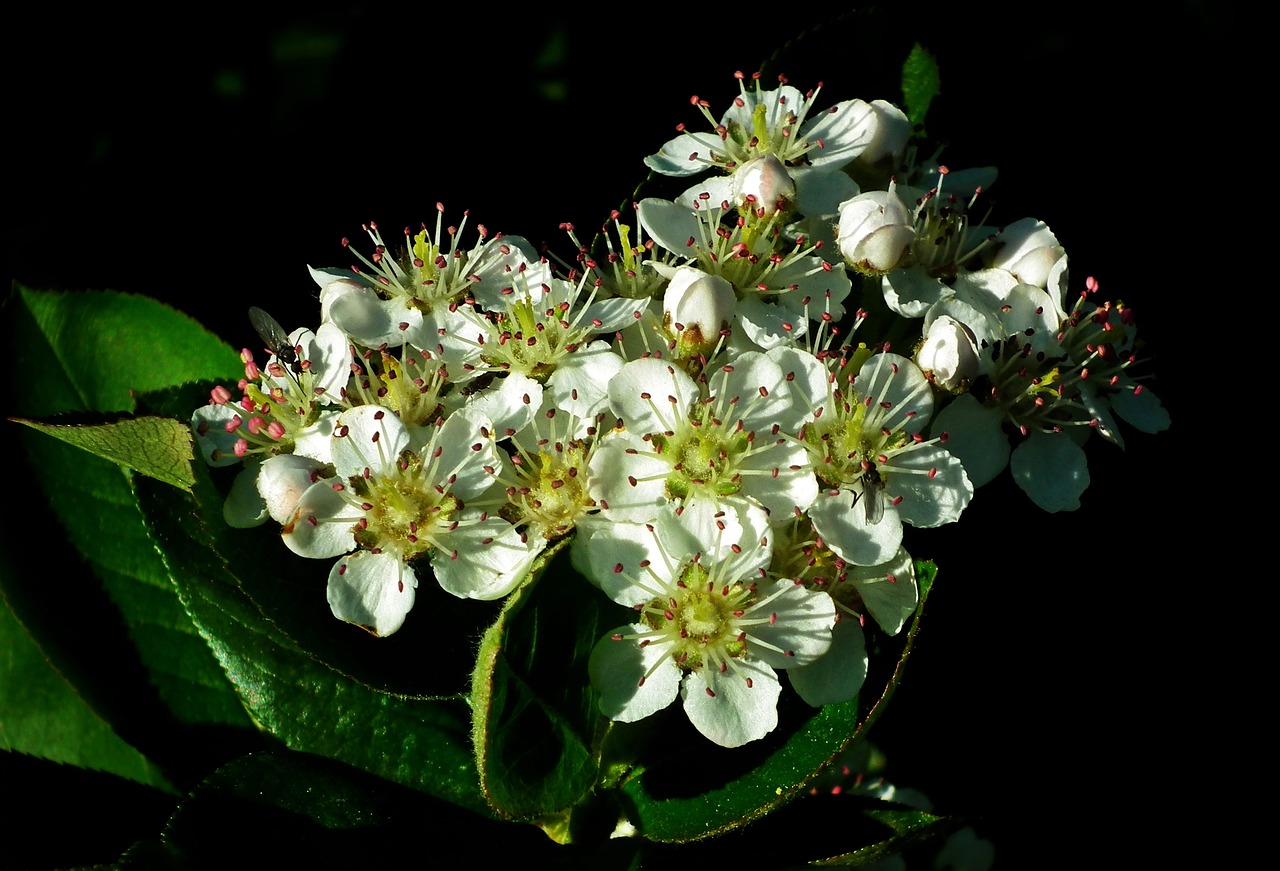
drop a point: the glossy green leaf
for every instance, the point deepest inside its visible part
(43, 713)
(693, 791)
(91, 352)
(920, 84)
(158, 447)
(269, 635)
(534, 709)
(95, 351)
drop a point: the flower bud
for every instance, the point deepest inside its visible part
(887, 134)
(767, 183)
(1030, 251)
(696, 307)
(948, 354)
(875, 232)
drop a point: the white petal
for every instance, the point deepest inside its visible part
(975, 436)
(805, 378)
(770, 325)
(482, 560)
(1141, 409)
(209, 422)
(620, 672)
(316, 441)
(901, 396)
(452, 333)
(710, 191)
(790, 485)
(329, 360)
(579, 385)
(651, 396)
(510, 403)
(468, 454)
(929, 484)
(611, 473)
(368, 437)
(244, 508)
(670, 225)
(674, 156)
(1051, 469)
(323, 523)
(610, 554)
(799, 628)
(610, 315)
(846, 130)
(742, 704)
(843, 526)
(373, 590)
(282, 481)
(911, 291)
(369, 319)
(840, 673)
(889, 591)
(820, 190)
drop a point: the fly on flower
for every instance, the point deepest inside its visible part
(275, 338)
(872, 496)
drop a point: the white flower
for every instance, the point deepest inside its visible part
(392, 505)
(423, 295)
(547, 479)
(538, 330)
(775, 281)
(811, 147)
(886, 592)
(283, 407)
(875, 469)
(710, 630)
(717, 457)
(284, 414)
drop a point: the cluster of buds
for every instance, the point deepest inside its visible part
(702, 402)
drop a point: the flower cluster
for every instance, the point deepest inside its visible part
(705, 401)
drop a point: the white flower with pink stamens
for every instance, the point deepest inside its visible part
(875, 468)
(712, 631)
(390, 505)
(716, 454)
(806, 148)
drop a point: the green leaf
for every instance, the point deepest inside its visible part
(43, 713)
(82, 352)
(675, 801)
(309, 695)
(906, 827)
(155, 446)
(94, 351)
(534, 709)
(293, 810)
(920, 84)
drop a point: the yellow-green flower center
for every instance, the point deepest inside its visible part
(702, 621)
(403, 510)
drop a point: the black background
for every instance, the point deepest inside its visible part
(1061, 667)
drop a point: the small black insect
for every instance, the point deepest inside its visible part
(872, 496)
(276, 339)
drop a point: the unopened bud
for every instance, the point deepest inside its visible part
(949, 354)
(875, 232)
(766, 181)
(696, 307)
